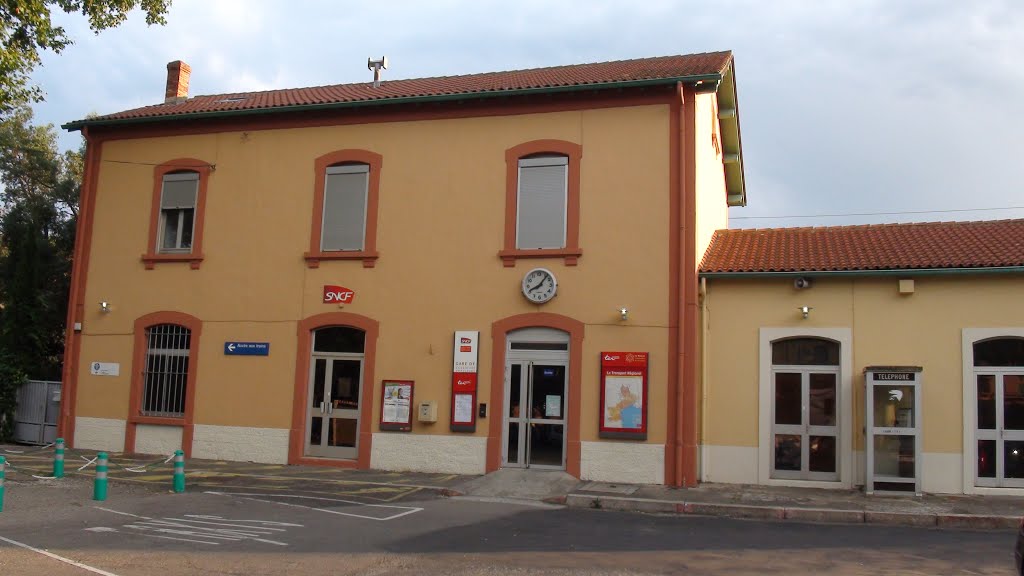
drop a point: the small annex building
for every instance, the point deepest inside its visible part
(451, 274)
(890, 356)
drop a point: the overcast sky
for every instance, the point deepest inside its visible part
(845, 106)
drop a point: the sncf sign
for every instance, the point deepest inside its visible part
(338, 295)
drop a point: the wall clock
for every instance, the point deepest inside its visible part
(539, 285)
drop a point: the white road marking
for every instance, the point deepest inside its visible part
(100, 529)
(248, 496)
(60, 558)
(181, 539)
(121, 513)
(201, 528)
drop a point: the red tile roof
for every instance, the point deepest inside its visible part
(473, 85)
(996, 243)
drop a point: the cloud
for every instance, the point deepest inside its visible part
(846, 105)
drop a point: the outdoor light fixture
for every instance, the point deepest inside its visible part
(805, 310)
(624, 313)
(105, 307)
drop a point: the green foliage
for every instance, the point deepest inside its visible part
(11, 378)
(28, 29)
(38, 211)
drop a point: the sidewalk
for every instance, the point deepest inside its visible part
(805, 505)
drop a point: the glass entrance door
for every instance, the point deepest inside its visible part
(804, 424)
(335, 385)
(535, 418)
(1000, 428)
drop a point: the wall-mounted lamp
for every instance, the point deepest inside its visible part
(805, 310)
(105, 307)
(624, 313)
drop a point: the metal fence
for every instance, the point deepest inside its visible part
(35, 420)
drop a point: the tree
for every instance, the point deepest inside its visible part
(38, 213)
(28, 29)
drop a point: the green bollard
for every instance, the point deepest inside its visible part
(99, 487)
(3, 466)
(179, 471)
(58, 459)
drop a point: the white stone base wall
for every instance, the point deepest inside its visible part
(942, 473)
(626, 462)
(99, 434)
(162, 440)
(429, 453)
(240, 444)
(729, 464)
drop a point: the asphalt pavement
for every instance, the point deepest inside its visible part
(138, 531)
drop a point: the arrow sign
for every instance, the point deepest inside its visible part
(247, 348)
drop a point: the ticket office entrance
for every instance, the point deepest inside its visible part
(536, 388)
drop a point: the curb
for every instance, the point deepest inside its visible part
(795, 514)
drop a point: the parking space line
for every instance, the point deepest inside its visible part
(251, 496)
(60, 558)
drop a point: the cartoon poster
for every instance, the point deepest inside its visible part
(623, 402)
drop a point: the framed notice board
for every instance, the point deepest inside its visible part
(623, 395)
(396, 405)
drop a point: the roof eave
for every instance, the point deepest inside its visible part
(692, 80)
(732, 142)
(863, 273)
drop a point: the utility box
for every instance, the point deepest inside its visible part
(893, 395)
(428, 411)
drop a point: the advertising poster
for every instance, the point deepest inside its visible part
(623, 395)
(396, 405)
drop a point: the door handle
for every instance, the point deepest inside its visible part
(322, 407)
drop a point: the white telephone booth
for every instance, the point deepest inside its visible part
(893, 412)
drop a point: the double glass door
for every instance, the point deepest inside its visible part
(333, 422)
(535, 414)
(805, 423)
(1000, 432)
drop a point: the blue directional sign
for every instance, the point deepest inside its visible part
(247, 348)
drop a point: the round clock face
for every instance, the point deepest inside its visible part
(539, 285)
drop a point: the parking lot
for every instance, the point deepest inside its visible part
(294, 520)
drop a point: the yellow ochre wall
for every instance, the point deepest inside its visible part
(919, 329)
(440, 226)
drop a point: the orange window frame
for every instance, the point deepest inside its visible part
(135, 416)
(153, 256)
(574, 152)
(369, 253)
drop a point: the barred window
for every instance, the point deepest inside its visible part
(166, 374)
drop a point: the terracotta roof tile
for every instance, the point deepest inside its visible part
(665, 67)
(986, 244)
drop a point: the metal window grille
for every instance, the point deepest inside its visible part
(166, 373)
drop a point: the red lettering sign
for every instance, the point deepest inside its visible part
(464, 382)
(627, 359)
(338, 295)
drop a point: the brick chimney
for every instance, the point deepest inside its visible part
(178, 74)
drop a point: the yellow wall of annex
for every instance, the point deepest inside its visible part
(919, 329)
(440, 226)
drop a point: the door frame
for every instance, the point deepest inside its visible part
(844, 442)
(326, 450)
(970, 336)
(303, 361)
(805, 430)
(499, 333)
(523, 445)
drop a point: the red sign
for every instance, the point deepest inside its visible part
(623, 395)
(338, 295)
(624, 359)
(464, 382)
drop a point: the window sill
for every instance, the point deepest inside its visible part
(158, 420)
(369, 257)
(509, 257)
(151, 260)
